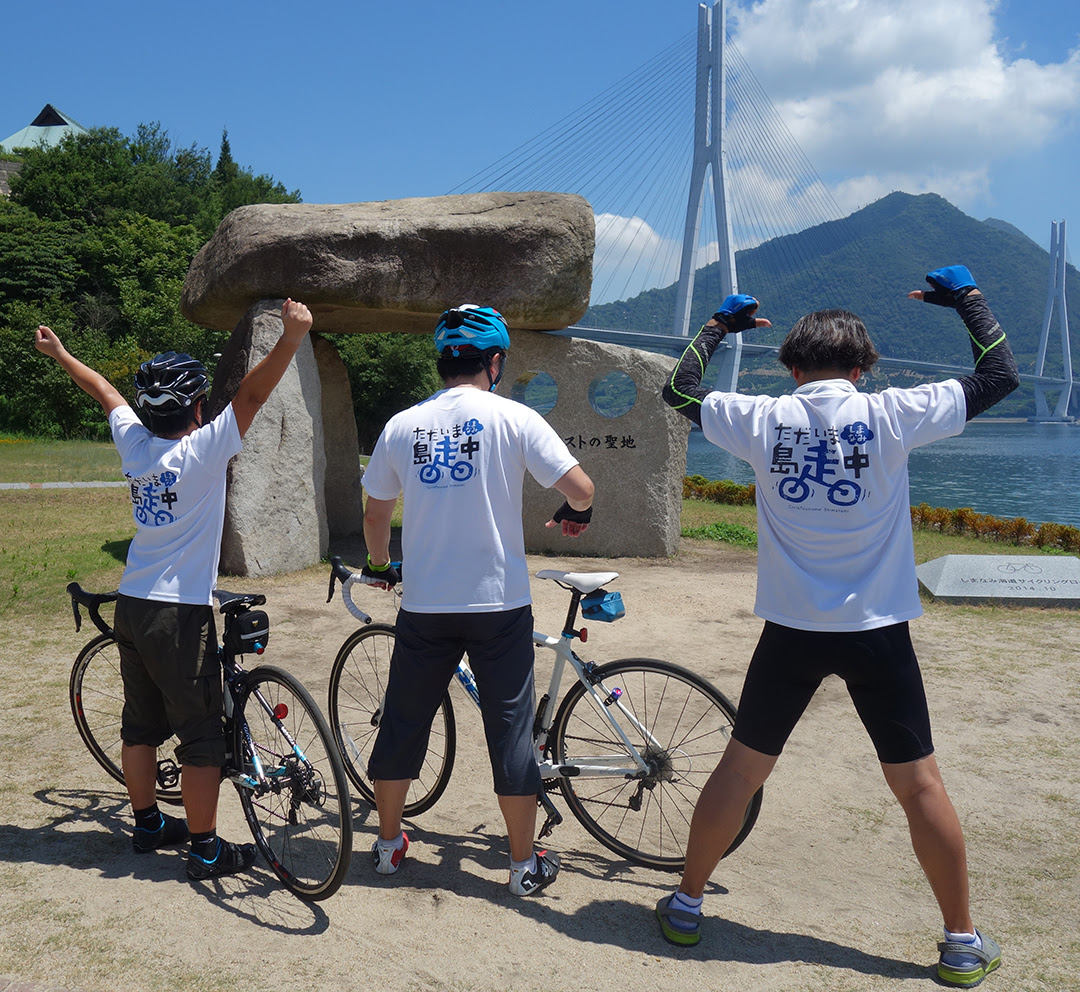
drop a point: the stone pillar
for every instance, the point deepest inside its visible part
(607, 407)
(275, 511)
(344, 509)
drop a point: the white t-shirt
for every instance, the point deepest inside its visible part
(460, 458)
(835, 550)
(178, 501)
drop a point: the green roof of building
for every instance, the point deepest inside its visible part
(48, 129)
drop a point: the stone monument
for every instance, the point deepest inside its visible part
(1009, 580)
(395, 266)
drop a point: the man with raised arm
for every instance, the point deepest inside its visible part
(460, 457)
(836, 577)
(176, 462)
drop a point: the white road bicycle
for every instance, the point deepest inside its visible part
(630, 745)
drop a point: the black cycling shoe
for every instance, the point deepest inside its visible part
(173, 830)
(230, 859)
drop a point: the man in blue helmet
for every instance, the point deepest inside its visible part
(836, 577)
(176, 461)
(460, 457)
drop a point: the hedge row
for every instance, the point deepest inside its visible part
(1018, 530)
(962, 522)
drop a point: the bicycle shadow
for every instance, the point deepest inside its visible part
(451, 861)
(89, 830)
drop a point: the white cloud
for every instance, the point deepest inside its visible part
(963, 189)
(630, 256)
(915, 93)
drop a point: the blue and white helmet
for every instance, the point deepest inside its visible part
(468, 327)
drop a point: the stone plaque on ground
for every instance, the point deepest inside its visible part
(1011, 580)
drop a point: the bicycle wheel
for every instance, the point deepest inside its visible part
(96, 693)
(302, 821)
(357, 687)
(683, 724)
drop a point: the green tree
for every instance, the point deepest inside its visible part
(387, 374)
(38, 256)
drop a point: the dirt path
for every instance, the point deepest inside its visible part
(825, 894)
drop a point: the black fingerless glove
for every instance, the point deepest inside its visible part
(377, 574)
(567, 512)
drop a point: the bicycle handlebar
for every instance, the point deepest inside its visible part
(92, 601)
(340, 572)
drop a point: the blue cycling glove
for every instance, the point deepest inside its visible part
(736, 313)
(950, 285)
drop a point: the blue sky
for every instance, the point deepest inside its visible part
(976, 100)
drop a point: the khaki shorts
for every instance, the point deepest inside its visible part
(172, 678)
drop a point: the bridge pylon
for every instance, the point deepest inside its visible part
(710, 99)
(1055, 294)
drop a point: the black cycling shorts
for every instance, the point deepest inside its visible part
(882, 676)
(427, 649)
(172, 678)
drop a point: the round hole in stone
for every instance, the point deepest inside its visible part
(537, 390)
(613, 395)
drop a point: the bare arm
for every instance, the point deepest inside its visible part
(377, 514)
(90, 382)
(259, 383)
(577, 487)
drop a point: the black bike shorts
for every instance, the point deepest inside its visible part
(882, 676)
(427, 649)
(172, 678)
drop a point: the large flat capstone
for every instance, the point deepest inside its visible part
(394, 265)
(1010, 580)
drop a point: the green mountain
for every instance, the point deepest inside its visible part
(867, 263)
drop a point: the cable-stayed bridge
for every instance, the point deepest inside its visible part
(685, 162)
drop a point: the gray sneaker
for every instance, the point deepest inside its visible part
(525, 883)
(965, 965)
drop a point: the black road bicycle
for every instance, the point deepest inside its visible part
(281, 756)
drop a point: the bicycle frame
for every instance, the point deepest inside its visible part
(605, 700)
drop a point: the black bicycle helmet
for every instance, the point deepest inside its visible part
(170, 383)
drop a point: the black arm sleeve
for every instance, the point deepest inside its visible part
(995, 374)
(683, 390)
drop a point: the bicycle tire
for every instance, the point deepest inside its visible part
(357, 686)
(690, 720)
(96, 694)
(303, 824)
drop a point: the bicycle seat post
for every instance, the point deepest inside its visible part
(571, 613)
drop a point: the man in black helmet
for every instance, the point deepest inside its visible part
(175, 461)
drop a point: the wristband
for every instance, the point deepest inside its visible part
(376, 568)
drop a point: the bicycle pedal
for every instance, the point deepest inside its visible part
(553, 818)
(168, 773)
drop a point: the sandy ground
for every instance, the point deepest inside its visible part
(825, 894)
